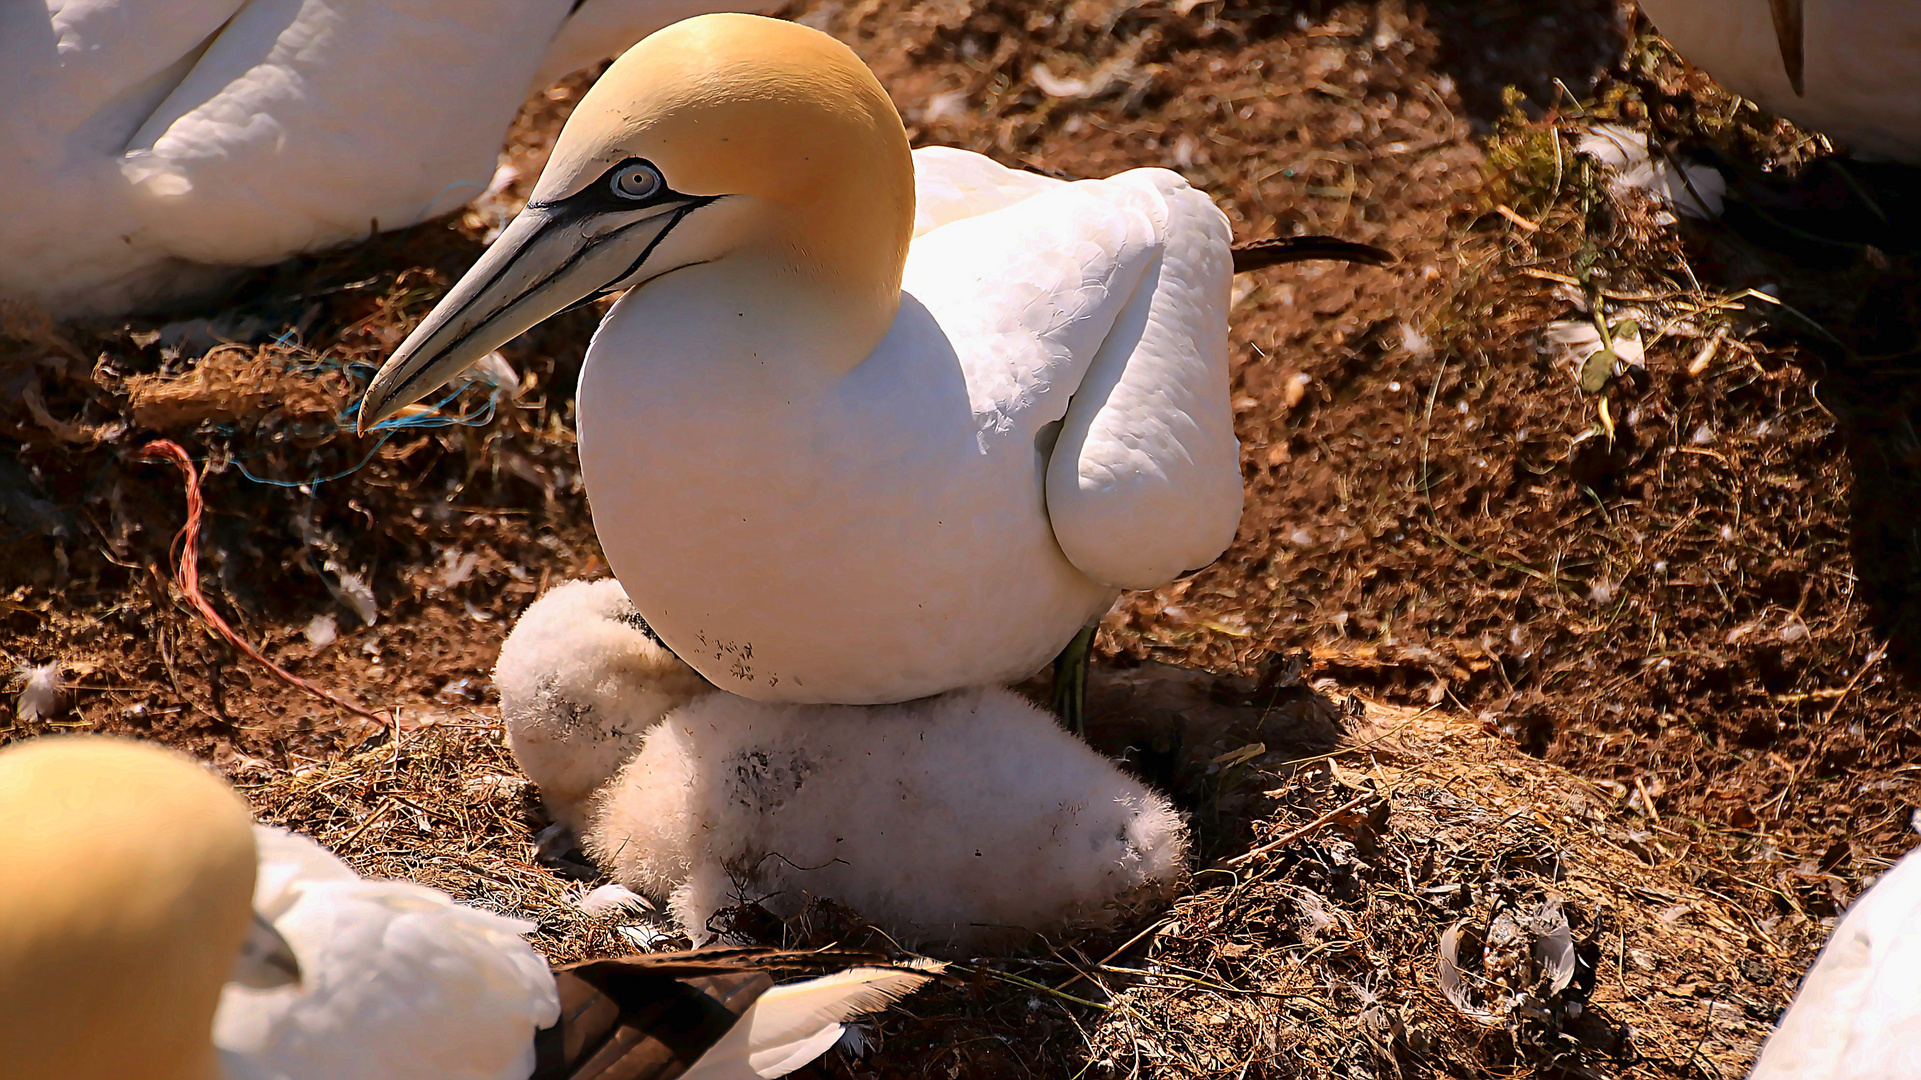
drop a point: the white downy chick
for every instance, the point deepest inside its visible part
(965, 821)
(581, 680)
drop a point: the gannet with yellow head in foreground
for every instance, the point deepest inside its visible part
(830, 460)
(148, 930)
(1850, 69)
(150, 147)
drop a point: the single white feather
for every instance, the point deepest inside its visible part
(40, 696)
(791, 1025)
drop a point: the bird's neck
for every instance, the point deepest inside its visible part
(835, 267)
(781, 318)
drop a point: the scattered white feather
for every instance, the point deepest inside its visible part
(40, 697)
(494, 370)
(1575, 340)
(1858, 1013)
(612, 900)
(456, 567)
(322, 631)
(1413, 341)
(791, 1025)
(965, 821)
(353, 591)
(580, 683)
(644, 936)
(1695, 190)
(397, 981)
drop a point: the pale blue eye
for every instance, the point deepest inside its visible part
(635, 180)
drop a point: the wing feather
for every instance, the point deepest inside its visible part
(791, 1025)
(1145, 481)
(951, 184)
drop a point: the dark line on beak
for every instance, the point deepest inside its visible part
(566, 264)
(614, 286)
(1790, 30)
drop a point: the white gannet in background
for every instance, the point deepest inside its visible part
(581, 679)
(1850, 69)
(1857, 1015)
(126, 872)
(967, 821)
(147, 144)
(830, 460)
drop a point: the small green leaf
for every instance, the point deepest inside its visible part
(1597, 370)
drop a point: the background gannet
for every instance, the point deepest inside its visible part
(967, 821)
(1858, 1013)
(125, 877)
(1850, 69)
(149, 143)
(581, 679)
(828, 465)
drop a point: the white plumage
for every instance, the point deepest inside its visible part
(1046, 424)
(831, 460)
(580, 683)
(965, 821)
(39, 696)
(1858, 1013)
(1862, 73)
(149, 144)
(398, 982)
(791, 1025)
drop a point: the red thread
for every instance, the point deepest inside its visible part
(187, 578)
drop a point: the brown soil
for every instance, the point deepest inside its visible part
(1710, 613)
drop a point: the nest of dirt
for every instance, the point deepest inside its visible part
(1379, 891)
(1688, 581)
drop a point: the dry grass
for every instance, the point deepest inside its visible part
(1307, 945)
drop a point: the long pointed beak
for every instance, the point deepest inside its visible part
(1789, 30)
(547, 260)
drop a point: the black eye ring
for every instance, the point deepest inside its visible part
(635, 181)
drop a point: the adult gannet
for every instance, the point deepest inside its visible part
(1850, 69)
(148, 144)
(1858, 1013)
(830, 460)
(126, 873)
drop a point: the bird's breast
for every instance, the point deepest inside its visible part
(853, 539)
